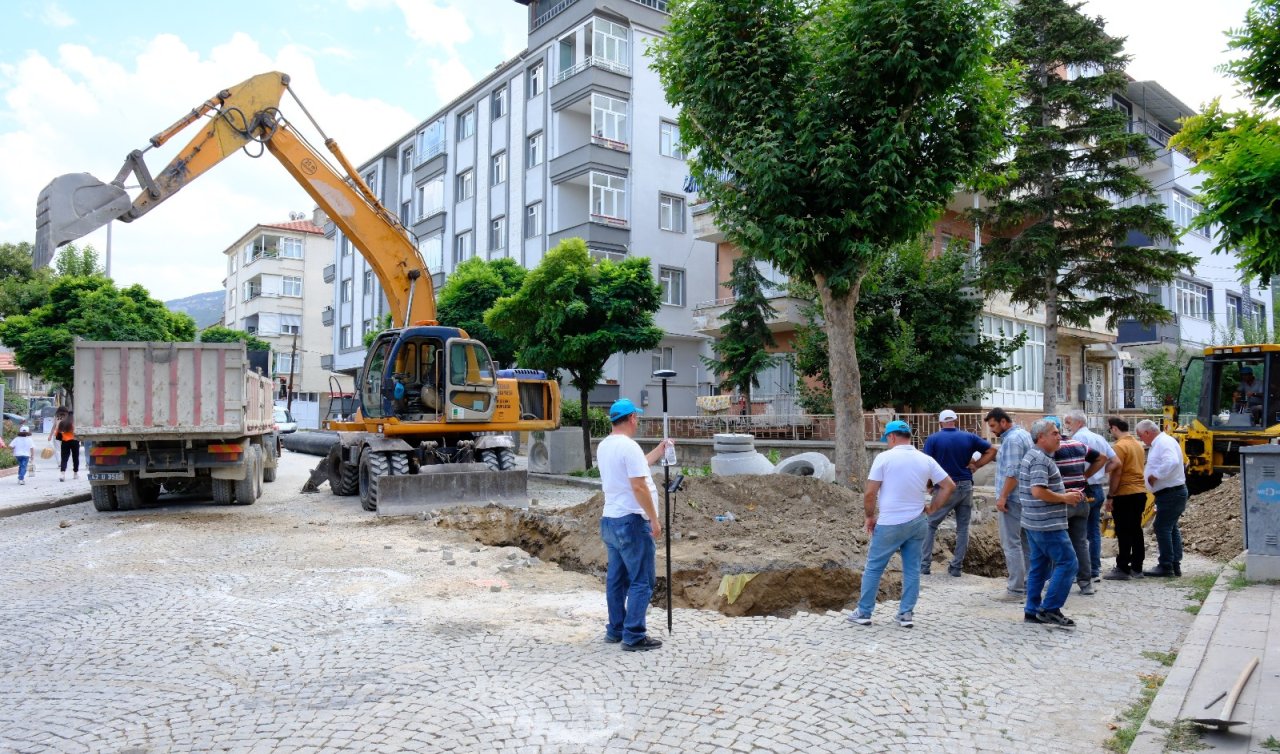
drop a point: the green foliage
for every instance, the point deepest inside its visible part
(1162, 372)
(741, 350)
(384, 323)
(220, 334)
(472, 290)
(1131, 717)
(73, 261)
(920, 346)
(1258, 69)
(1061, 240)
(21, 287)
(571, 416)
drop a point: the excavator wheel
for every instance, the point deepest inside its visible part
(344, 478)
(372, 466)
(506, 459)
(490, 458)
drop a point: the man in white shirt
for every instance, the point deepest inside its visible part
(629, 525)
(899, 481)
(1166, 477)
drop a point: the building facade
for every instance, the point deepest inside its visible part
(276, 291)
(571, 138)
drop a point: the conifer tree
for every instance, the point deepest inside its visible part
(742, 349)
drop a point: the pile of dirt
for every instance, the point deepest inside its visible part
(797, 543)
(1212, 525)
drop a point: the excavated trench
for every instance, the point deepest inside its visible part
(793, 544)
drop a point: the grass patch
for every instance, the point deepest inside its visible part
(1131, 717)
(1238, 579)
(1164, 658)
(591, 473)
(1271, 744)
(1181, 735)
(1199, 586)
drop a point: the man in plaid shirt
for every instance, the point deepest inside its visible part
(1014, 444)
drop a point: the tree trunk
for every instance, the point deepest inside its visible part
(586, 427)
(1050, 402)
(846, 382)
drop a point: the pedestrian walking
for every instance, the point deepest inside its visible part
(954, 450)
(629, 524)
(1077, 461)
(1014, 444)
(1165, 477)
(64, 432)
(1078, 428)
(1126, 502)
(1045, 501)
(21, 448)
(898, 483)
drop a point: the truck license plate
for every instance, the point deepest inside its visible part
(106, 476)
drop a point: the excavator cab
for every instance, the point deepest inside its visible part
(428, 374)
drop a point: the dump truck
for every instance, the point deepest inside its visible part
(161, 417)
(432, 408)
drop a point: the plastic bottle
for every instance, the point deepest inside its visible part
(726, 516)
(669, 455)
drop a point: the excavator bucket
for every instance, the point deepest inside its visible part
(449, 484)
(71, 206)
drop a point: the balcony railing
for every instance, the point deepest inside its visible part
(329, 272)
(560, 7)
(429, 151)
(593, 62)
(326, 316)
(326, 361)
(619, 146)
(612, 222)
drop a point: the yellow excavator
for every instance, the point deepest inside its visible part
(434, 414)
(1229, 399)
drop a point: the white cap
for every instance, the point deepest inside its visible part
(24, 428)
(947, 415)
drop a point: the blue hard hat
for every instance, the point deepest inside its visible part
(897, 425)
(622, 408)
(1056, 421)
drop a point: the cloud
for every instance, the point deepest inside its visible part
(53, 15)
(81, 112)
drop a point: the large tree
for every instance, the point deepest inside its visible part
(1238, 153)
(741, 351)
(1073, 228)
(470, 291)
(220, 334)
(572, 313)
(920, 344)
(825, 130)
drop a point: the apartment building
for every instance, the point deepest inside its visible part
(573, 137)
(276, 291)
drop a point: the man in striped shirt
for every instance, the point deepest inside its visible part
(1044, 518)
(1078, 462)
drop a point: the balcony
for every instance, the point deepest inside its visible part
(708, 315)
(704, 224)
(326, 316)
(326, 361)
(329, 272)
(1132, 332)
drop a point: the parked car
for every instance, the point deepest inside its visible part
(284, 421)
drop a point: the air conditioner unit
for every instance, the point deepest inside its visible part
(557, 452)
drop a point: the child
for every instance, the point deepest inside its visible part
(22, 452)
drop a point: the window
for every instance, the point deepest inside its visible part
(467, 124)
(466, 185)
(671, 213)
(609, 119)
(371, 180)
(346, 290)
(291, 286)
(534, 153)
(231, 299)
(669, 140)
(1062, 376)
(346, 247)
(498, 233)
(430, 141)
(1185, 211)
(344, 340)
(608, 196)
(661, 358)
(498, 103)
(672, 283)
(367, 287)
(1191, 299)
(609, 41)
(1235, 311)
(233, 262)
(366, 327)
(779, 378)
(406, 160)
(406, 208)
(498, 169)
(537, 80)
(533, 220)
(284, 362)
(568, 57)
(290, 248)
(1027, 363)
(290, 324)
(430, 197)
(432, 248)
(1260, 316)
(463, 248)
(612, 256)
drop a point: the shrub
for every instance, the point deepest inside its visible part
(571, 416)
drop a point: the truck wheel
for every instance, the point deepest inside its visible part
(104, 497)
(129, 494)
(224, 491)
(344, 478)
(506, 458)
(372, 466)
(247, 488)
(490, 458)
(269, 464)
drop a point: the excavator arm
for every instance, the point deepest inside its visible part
(76, 204)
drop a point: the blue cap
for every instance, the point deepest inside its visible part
(897, 425)
(1246, 370)
(1056, 421)
(622, 408)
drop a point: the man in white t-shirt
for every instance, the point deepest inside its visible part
(629, 525)
(899, 481)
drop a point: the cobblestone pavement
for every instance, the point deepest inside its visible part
(304, 624)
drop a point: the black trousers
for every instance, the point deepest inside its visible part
(1126, 510)
(71, 450)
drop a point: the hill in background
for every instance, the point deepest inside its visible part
(205, 308)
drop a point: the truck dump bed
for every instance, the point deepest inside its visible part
(146, 390)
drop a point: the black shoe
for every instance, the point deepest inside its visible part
(644, 645)
(954, 571)
(1117, 574)
(1031, 618)
(1159, 572)
(612, 639)
(1177, 570)
(925, 571)
(1055, 618)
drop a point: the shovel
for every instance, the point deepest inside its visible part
(1224, 721)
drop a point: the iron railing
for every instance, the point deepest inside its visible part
(592, 62)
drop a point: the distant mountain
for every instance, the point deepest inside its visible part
(204, 308)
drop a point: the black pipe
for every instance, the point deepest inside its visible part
(311, 443)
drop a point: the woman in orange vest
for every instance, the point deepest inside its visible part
(64, 431)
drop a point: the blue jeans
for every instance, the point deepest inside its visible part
(906, 538)
(1170, 503)
(22, 466)
(629, 583)
(1053, 559)
(1095, 529)
(961, 501)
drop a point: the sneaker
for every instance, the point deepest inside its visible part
(1097, 578)
(1055, 618)
(1159, 572)
(1136, 574)
(644, 645)
(75, 475)
(22, 481)
(1008, 596)
(62, 477)
(1117, 574)
(857, 617)
(1086, 587)
(954, 571)
(612, 639)
(1031, 618)
(905, 620)
(925, 572)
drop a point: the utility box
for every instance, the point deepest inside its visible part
(556, 452)
(1261, 492)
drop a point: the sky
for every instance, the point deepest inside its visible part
(84, 82)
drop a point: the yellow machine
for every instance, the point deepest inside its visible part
(432, 407)
(1229, 399)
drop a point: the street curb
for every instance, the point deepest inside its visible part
(18, 510)
(572, 481)
(1172, 697)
